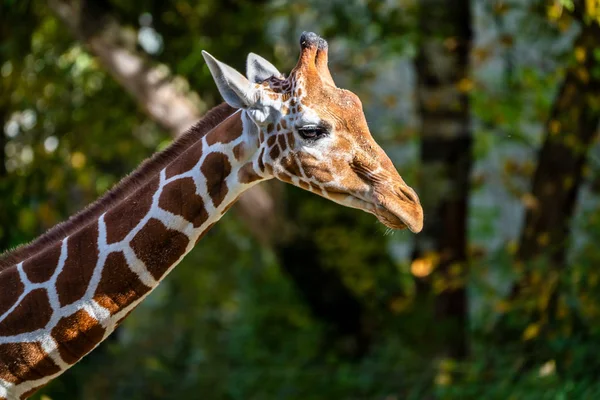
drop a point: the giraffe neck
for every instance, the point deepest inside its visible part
(60, 303)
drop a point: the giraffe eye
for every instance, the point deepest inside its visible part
(312, 132)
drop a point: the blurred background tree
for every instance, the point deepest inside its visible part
(489, 108)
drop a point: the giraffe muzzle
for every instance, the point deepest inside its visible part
(399, 208)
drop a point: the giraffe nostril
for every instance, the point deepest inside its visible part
(408, 193)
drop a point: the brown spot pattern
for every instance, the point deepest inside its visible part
(119, 286)
(274, 153)
(186, 161)
(29, 393)
(304, 185)
(281, 140)
(20, 362)
(271, 140)
(270, 128)
(285, 177)
(290, 164)
(268, 169)
(40, 267)
(216, 168)
(290, 139)
(238, 151)
(123, 218)
(261, 163)
(12, 288)
(79, 266)
(158, 247)
(32, 313)
(233, 131)
(179, 197)
(246, 174)
(77, 335)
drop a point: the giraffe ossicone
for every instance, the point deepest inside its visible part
(65, 292)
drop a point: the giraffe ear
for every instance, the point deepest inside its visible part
(258, 69)
(236, 90)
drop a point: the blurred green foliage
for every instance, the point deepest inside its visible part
(228, 323)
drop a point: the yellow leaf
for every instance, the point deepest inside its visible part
(532, 331)
(580, 54)
(554, 11)
(78, 160)
(592, 8)
(568, 182)
(465, 85)
(543, 239)
(512, 246)
(530, 201)
(583, 74)
(502, 306)
(421, 267)
(400, 304)
(554, 126)
(443, 379)
(451, 43)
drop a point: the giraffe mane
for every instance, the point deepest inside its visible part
(121, 190)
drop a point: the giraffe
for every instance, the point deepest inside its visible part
(65, 292)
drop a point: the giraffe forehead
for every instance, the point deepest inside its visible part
(341, 108)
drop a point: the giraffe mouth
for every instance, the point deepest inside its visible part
(397, 219)
(399, 209)
(389, 219)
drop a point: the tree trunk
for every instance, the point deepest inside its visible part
(442, 73)
(569, 132)
(570, 129)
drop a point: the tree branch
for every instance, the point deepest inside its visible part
(569, 131)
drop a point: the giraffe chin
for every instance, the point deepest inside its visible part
(383, 214)
(404, 219)
(389, 219)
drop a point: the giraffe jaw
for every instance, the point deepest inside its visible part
(390, 220)
(400, 210)
(395, 220)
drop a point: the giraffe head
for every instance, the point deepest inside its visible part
(307, 132)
